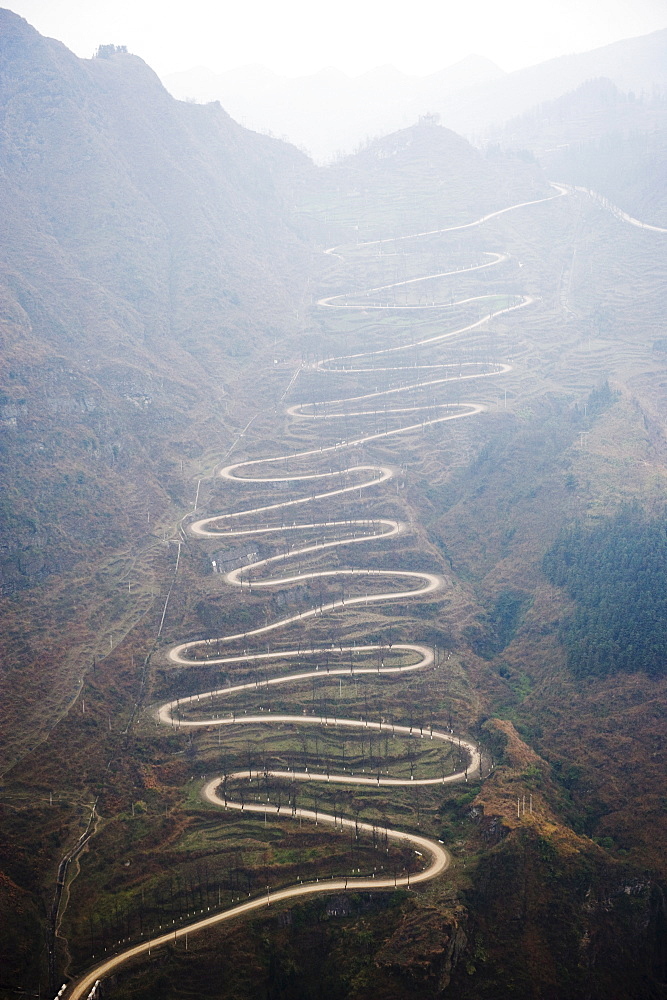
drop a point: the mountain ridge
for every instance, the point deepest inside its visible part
(471, 97)
(281, 103)
(146, 252)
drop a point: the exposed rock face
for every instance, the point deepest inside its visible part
(549, 911)
(557, 923)
(426, 947)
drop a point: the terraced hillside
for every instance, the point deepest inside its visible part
(411, 414)
(271, 786)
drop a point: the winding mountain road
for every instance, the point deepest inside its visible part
(263, 574)
(607, 204)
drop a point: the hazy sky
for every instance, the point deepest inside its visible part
(294, 37)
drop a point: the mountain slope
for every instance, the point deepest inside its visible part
(634, 64)
(600, 138)
(146, 249)
(328, 112)
(98, 145)
(421, 178)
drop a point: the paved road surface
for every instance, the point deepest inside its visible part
(351, 532)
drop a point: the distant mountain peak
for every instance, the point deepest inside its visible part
(384, 72)
(329, 112)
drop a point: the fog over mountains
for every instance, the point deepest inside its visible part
(329, 112)
(600, 138)
(439, 348)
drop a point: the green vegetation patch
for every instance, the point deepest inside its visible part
(616, 571)
(498, 626)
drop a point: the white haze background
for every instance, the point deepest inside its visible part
(297, 37)
(329, 76)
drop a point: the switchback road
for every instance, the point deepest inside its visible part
(207, 708)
